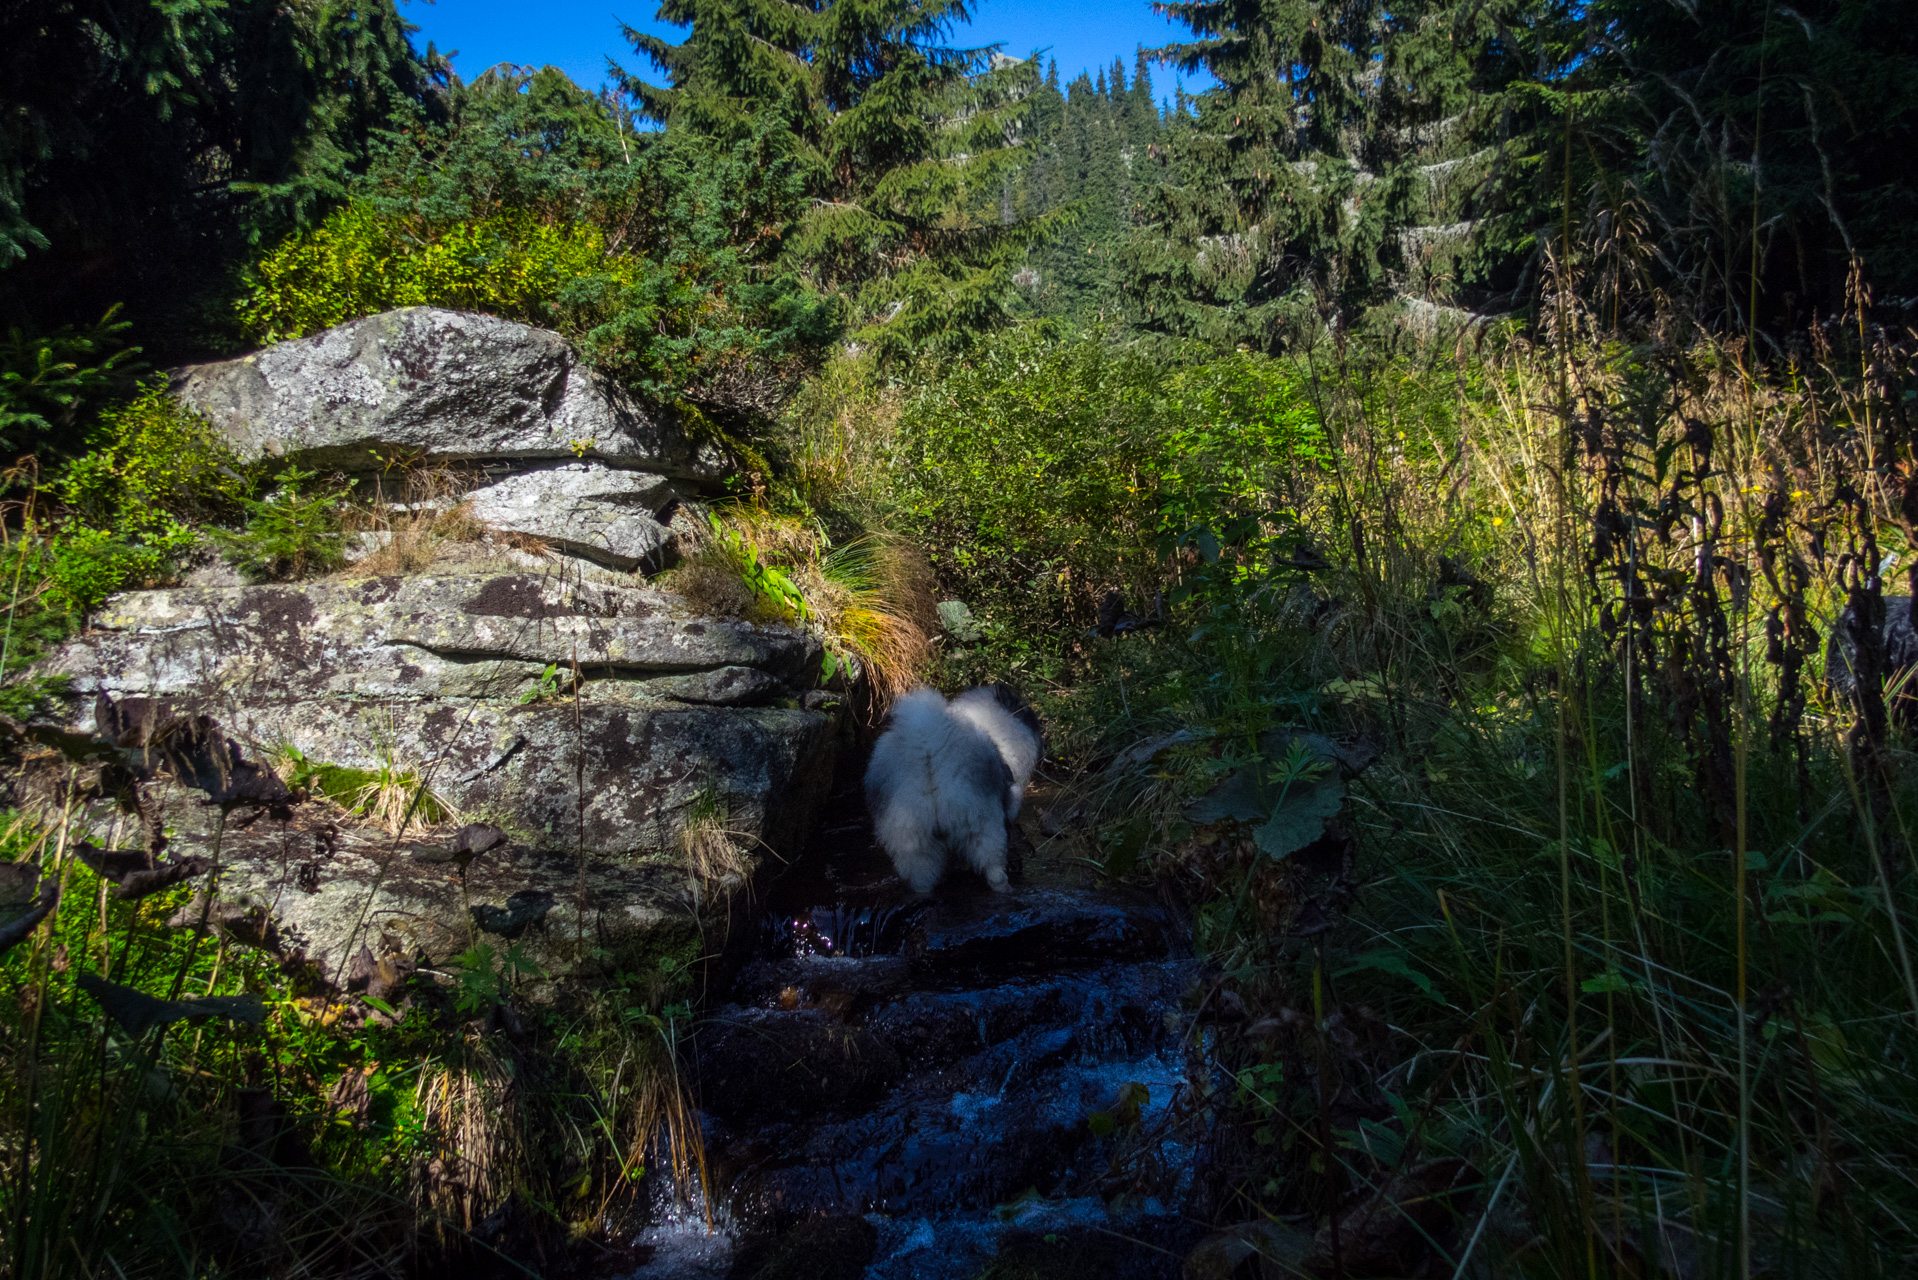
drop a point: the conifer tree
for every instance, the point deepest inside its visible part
(144, 147)
(1294, 180)
(1090, 168)
(905, 144)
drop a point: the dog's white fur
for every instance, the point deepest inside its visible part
(947, 776)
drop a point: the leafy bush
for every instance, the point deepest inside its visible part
(1044, 474)
(533, 204)
(153, 455)
(361, 261)
(154, 471)
(84, 565)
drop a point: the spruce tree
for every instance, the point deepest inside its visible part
(1090, 168)
(145, 147)
(1292, 183)
(905, 144)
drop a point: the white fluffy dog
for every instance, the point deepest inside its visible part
(947, 776)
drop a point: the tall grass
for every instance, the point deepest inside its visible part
(1627, 937)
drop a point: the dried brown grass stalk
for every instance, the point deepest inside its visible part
(474, 1112)
(412, 531)
(716, 858)
(871, 599)
(876, 599)
(666, 1125)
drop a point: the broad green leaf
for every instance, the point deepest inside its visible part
(1300, 818)
(1390, 962)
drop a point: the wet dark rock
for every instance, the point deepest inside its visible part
(838, 985)
(1077, 1255)
(816, 1249)
(757, 1064)
(1900, 640)
(843, 930)
(977, 939)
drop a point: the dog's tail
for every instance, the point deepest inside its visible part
(1004, 717)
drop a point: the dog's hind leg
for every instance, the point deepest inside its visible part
(988, 854)
(915, 849)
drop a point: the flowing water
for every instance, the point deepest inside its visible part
(931, 1087)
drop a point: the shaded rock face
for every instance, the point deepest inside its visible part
(585, 715)
(441, 385)
(468, 681)
(435, 673)
(340, 905)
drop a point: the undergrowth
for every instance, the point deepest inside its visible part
(182, 1101)
(1605, 963)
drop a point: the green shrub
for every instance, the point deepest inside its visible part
(84, 565)
(153, 456)
(153, 472)
(361, 261)
(1044, 474)
(655, 253)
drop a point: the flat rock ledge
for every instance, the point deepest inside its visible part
(469, 682)
(341, 907)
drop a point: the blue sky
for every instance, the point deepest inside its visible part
(578, 35)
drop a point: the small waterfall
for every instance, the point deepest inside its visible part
(904, 1088)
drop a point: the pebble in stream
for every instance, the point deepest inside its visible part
(927, 1067)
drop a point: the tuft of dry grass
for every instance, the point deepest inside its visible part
(715, 858)
(871, 599)
(836, 435)
(383, 795)
(414, 529)
(529, 543)
(387, 799)
(875, 598)
(474, 1106)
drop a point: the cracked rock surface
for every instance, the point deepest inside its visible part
(550, 693)
(445, 674)
(436, 385)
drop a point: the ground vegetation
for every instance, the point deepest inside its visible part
(1482, 435)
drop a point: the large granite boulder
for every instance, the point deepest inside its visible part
(357, 909)
(444, 674)
(588, 724)
(611, 739)
(426, 384)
